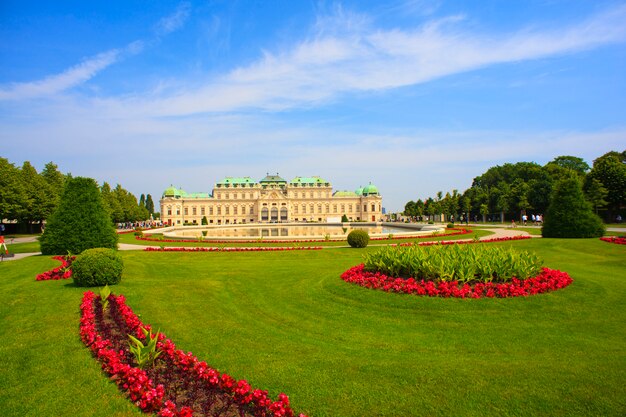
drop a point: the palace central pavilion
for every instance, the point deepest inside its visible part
(238, 200)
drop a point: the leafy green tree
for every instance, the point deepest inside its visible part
(570, 215)
(572, 163)
(55, 180)
(12, 193)
(113, 206)
(596, 194)
(81, 221)
(610, 170)
(149, 204)
(484, 210)
(39, 201)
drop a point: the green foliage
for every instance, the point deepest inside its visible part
(12, 193)
(204, 221)
(80, 221)
(104, 296)
(570, 215)
(145, 355)
(358, 238)
(450, 225)
(463, 263)
(344, 219)
(610, 170)
(96, 267)
(138, 232)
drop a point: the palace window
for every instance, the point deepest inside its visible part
(227, 210)
(211, 211)
(364, 207)
(251, 209)
(373, 207)
(334, 208)
(193, 211)
(186, 211)
(343, 208)
(243, 210)
(178, 212)
(235, 210)
(304, 209)
(219, 210)
(202, 211)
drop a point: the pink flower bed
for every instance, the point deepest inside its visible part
(614, 239)
(269, 239)
(60, 272)
(547, 280)
(467, 242)
(179, 385)
(235, 249)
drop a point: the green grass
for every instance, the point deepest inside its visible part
(286, 322)
(28, 247)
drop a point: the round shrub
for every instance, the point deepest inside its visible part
(450, 226)
(358, 238)
(97, 267)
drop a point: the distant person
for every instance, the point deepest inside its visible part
(2, 229)
(524, 219)
(618, 219)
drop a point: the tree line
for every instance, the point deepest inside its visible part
(29, 197)
(511, 190)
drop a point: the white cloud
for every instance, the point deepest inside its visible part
(174, 21)
(360, 58)
(55, 84)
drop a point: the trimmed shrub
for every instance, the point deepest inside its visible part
(80, 222)
(570, 215)
(97, 267)
(450, 226)
(344, 219)
(358, 238)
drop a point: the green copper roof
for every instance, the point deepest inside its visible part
(359, 191)
(199, 195)
(344, 194)
(274, 179)
(370, 189)
(309, 181)
(172, 191)
(236, 180)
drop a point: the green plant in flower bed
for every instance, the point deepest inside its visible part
(462, 263)
(96, 267)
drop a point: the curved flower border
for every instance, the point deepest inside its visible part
(142, 390)
(466, 242)
(547, 280)
(614, 239)
(60, 272)
(269, 239)
(236, 249)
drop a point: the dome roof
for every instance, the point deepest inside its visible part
(359, 191)
(370, 189)
(172, 191)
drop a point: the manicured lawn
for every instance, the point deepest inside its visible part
(286, 322)
(29, 247)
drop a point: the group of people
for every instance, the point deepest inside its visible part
(537, 220)
(143, 225)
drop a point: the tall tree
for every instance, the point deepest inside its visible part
(80, 222)
(149, 204)
(572, 163)
(610, 170)
(569, 214)
(39, 201)
(596, 194)
(12, 193)
(55, 180)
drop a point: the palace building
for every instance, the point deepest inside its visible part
(238, 200)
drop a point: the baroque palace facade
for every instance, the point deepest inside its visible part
(239, 200)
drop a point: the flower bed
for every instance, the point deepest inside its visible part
(269, 239)
(615, 239)
(178, 385)
(60, 272)
(234, 249)
(466, 242)
(547, 280)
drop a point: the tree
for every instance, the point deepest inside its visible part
(81, 221)
(573, 163)
(113, 206)
(55, 180)
(12, 193)
(149, 204)
(39, 200)
(596, 194)
(570, 215)
(610, 170)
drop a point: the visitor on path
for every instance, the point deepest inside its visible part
(2, 229)
(524, 219)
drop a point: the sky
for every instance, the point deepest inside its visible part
(414, 96)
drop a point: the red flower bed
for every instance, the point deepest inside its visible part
(179, 385)
(614, 239)
(466, 242)
(60, 272)
(243, 249)
(269, 239)
(547, 280)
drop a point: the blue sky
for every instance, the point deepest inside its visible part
(415, 96)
